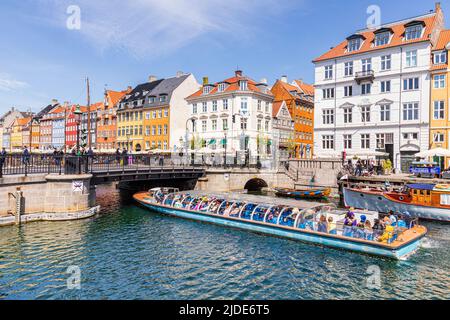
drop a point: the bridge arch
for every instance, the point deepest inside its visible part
(255, 184)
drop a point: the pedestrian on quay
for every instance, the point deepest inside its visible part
(26, 156)
(3, 155)
(125, 157)
(358, 171)
(118, 156)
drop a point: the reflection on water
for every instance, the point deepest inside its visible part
(131, 253)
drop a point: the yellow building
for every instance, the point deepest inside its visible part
(156, 126)
(130, 130)
(440, 93)
(17, 133)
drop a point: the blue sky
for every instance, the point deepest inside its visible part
(121, 43)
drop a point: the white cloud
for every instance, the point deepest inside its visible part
(7, 83)
(154, 27)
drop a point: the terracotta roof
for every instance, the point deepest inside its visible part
(233, 85)
(276, 108)
(306, 88)
(59, 109)
(444, 39)
(369, 35)
(23, 121)
(115, 96)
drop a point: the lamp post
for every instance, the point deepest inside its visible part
(77, 113)
(187, 136)
(225, 150)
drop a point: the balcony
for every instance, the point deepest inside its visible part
(365, 76)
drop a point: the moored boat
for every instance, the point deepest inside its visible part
(312, 193)
(297, 220)
(425, 201)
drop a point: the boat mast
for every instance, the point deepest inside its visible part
(89, 112)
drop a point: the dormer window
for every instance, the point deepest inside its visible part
(243, 85)
(163, 98)
(440, 57)
(414, 30)
(222, 87)
(355, 42)
(151, 99)
(207, 89)
(382, 38)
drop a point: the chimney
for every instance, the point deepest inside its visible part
(152, 78)
(238, 73)
(284, 79)
(130, 88)
(205, 81)
(54, 102)
(180, 74)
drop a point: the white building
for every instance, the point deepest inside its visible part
(283, 130)
(373, 91)
(234, 115)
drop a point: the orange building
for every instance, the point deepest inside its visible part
(107, 119)
(299, 99)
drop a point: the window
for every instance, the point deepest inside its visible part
(413, 32)
(327, 142)
(166, 113)
(154, 114)
(365, 141)
(348, 115)
(160, 114)
(204, 125)
(243, 85)
(382, 39)
(204, 107)
(354, 44)
(380, 139)
(328, 116)
(411, 111)
(259, 105)
(411, 58)
(366, 65)
(225, 104)
(329, 72)
(348, 68)
(147, 130)
(267, 106)
(410, 84)
(386, 62)
(438, 137)
(347, 141)
(214, 106)
(385, 112)
(328, 93)
(385, 86)
(214, 125)
(159, 130)
(439, 110)
(365, 114)
(147, 116)
(440, 57)
(225, 124)
(348, 91)
(244, 106)
(267, 126)
(222, 87)
(206, 89)
(163, 98)
(166, 129)
(366, 88)
(259, 125)
(439, 81)
(154, 130)
(243, 124)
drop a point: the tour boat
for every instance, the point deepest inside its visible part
(292, 219)
(313, 193)
(425, 201)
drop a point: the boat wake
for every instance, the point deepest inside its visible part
(428, 243)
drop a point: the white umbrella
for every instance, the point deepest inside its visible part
(368, 154)
(205, 150)
(438, 152)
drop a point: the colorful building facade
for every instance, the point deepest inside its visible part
(440, 97)
(299, 99)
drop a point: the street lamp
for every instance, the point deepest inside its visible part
(77, 113)
(187, 135)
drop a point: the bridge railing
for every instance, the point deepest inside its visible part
(17, 164)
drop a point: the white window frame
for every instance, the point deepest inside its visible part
(439, 110)
(385, 112)
(348, 69)
(411, 58)
(386, 62)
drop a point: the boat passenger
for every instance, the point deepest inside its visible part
(377, 228)
(387, 235)
(393, 220)
(331, 226)
(359, 230)
(323, 224)
(178, 204)
(349, 223)
(368, 230)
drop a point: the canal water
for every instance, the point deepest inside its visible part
(130, 253)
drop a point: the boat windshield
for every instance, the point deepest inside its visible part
(322, 218)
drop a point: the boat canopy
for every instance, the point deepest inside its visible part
(421, 186)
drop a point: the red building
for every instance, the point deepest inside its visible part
(71, 127)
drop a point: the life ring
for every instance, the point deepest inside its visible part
(401, 198)
(442, 186)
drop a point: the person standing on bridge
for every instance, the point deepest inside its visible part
(118, 156)
(26, 156)
(3, 155)
(125, 157)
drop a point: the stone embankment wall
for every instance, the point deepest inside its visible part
(56, 196)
